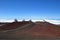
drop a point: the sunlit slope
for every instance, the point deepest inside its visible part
(13, 25)
(45, 29)
(33, 30)
(17, 32)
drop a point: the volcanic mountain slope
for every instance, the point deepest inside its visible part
(33, 30)
(1, 23)
(13, 25)
(16, 32)
(45, 29)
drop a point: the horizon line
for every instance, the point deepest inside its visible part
(51, 21)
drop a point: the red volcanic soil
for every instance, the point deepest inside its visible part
(45, 29)
(13, 25)
(39, 29)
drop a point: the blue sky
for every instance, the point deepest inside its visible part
(30, 9)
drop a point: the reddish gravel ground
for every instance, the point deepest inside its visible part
(45, 29)
(13, 25)
(40, 29)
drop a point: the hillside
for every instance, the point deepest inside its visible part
(13, 25)
(45, 29)
(30, 31)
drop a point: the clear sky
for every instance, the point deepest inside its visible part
(30, 9)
